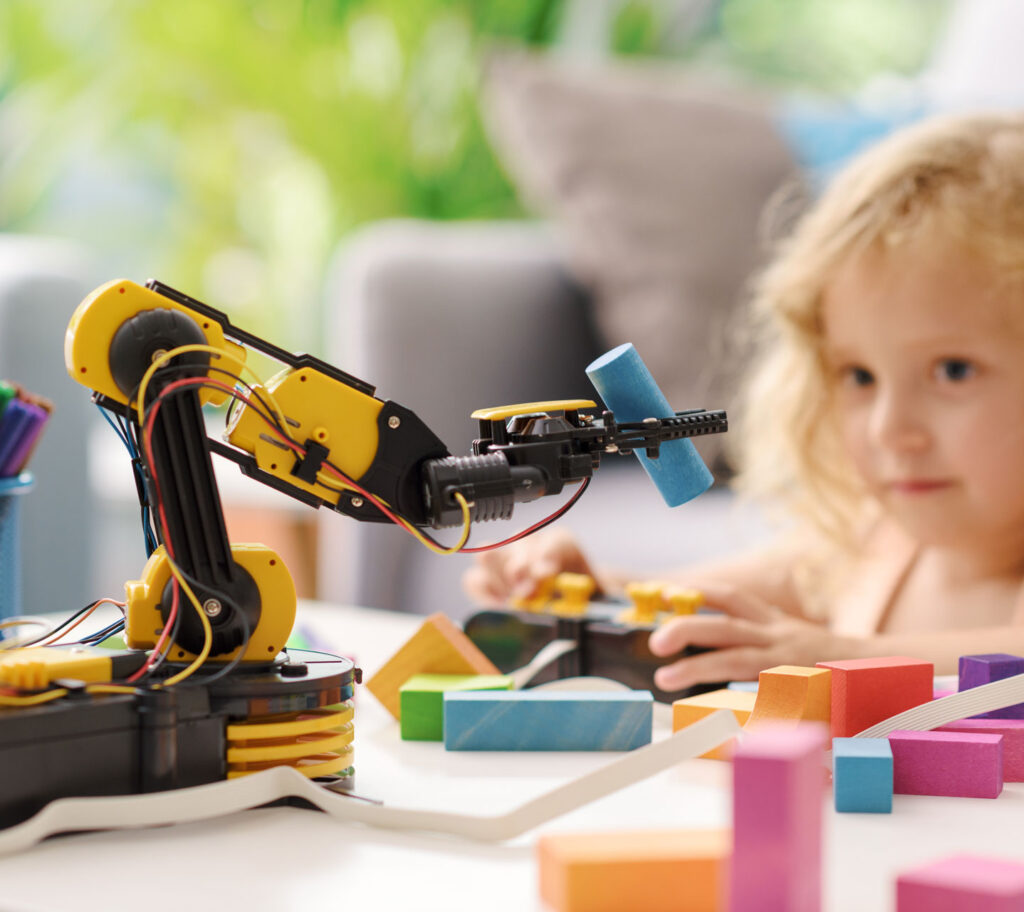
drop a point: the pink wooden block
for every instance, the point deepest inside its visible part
(962, 882)
(951, 764)
(939, 692)
(778, 795)
(1012, 731)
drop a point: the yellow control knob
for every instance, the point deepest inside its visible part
(575, 590)
(648, 601)
(542, 595)
(685, 601)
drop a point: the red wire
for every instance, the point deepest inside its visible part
(531, 529)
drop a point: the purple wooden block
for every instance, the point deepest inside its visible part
(778, 795)
(976, 670)
(1012, 731)
(951, 764)
(962, 882)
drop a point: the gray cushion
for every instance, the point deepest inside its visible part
(656, 183)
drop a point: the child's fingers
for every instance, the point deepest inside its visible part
(484, 588)
(706, 630)
(741, 663)
(737, 602)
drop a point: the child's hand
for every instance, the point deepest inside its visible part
(748, 636)
(515, 572)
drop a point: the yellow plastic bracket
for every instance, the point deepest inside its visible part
(96, 321)
(501, 412)
(143, 621)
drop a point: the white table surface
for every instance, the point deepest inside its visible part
(286, 858)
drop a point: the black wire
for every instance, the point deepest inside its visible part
(101, 635)
(58, 628)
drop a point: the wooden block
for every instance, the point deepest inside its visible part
(962, 882)
(742, 685)
(1012, 731)
(534, 720)
(422, 701)
(950, 764)
(438, 647)
(778, 799)
(667, 871)
(976, 670)
(793, 693)
(866, 691)
(862, 775)
(692, 709)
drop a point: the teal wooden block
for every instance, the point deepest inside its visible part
(862, 775)
(421, 700)
(534, 720)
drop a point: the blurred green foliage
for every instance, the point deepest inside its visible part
(226, 146)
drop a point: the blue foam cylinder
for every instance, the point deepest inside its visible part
(628, 389)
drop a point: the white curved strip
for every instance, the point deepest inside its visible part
(548, 654)
(204, 802)
(987, 697)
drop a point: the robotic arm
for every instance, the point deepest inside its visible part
(312, 432)
(77, 720)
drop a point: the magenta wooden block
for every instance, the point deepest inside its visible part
(939, 693)
(778, 795)
(1012, 731)
(976, 670)
(962, 882)
(950, 764)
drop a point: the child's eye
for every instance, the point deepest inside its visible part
(955, 370)
(856, 376)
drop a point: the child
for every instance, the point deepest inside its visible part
(886, 413)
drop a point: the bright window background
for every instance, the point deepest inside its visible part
(227, 146)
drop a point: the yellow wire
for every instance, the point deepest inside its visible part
(161, 360)
(207, 630)
(419, 536)
(35, 699)
(50, 695)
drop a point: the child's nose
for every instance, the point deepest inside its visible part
(898, 422)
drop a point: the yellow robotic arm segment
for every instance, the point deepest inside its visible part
(99, 319)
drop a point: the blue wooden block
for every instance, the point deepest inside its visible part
(862, 775)
(749, 686)
(976, 670)
(547, 720)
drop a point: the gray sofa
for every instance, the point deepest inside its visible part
(448, 318)
(41, 282)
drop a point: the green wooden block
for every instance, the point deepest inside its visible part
(422, 701)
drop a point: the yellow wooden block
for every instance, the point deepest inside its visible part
(438, 647)
(793, 693)
(657, 871)
(692, 709)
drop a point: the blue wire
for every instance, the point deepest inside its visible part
(147, 531)
(117, 430)
(101, 635)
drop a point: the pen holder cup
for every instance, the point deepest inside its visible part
(11, 490)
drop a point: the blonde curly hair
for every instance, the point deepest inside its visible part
(960, 176)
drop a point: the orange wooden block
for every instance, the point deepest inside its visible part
(866, 691)
(793, 692)
(657, 871)
(692, 709)
(438, 647)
